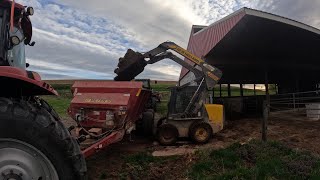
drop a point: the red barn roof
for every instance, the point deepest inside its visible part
(248, 41)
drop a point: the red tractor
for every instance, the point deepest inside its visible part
(34, 144)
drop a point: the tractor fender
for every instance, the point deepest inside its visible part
(19, 82)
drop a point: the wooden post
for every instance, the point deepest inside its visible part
(266, 109)
(220, 90)
(265, 117)
(267, 92)
(229, 90)
(254, 89)
(241, 90)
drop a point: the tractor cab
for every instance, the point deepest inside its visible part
(16, 54)
(15, 33)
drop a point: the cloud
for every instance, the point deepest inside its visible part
(83, 38)
(51, 70)
(304, 11)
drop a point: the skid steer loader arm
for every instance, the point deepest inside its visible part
(133, 63)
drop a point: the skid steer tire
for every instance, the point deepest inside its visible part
(167, 134)
(200, 132)
(30, 131)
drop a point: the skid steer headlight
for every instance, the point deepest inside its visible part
(208, 66)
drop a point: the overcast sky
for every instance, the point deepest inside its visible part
(83, 39)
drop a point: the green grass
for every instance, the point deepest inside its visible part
(161, 87)
(256, 160)
(61, 87)
(162, 108)
(60, 103)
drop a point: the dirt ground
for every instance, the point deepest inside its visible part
(292, 130)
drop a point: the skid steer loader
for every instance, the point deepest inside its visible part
(190, 113)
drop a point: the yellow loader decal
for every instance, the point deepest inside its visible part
(186, 54)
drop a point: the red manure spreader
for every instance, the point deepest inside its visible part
(106, 110)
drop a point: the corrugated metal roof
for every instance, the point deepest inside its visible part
(203, 41)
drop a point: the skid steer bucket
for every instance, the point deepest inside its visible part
(130, 66)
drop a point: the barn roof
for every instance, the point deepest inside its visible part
(249, 42)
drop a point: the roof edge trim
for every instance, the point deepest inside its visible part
(281, 19)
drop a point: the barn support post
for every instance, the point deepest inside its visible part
(254, 89)
(229, 90)
(220, 90)
(266, 110)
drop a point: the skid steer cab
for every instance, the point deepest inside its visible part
(189, 112)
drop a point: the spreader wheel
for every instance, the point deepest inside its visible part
(147, 123)
(200, 132)
(167, 134)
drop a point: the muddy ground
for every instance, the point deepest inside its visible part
(292, 130)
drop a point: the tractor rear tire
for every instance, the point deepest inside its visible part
(167, 134)
(200, 132)
(35, 145)
(49, 108)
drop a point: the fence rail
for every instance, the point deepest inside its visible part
(307, 103)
